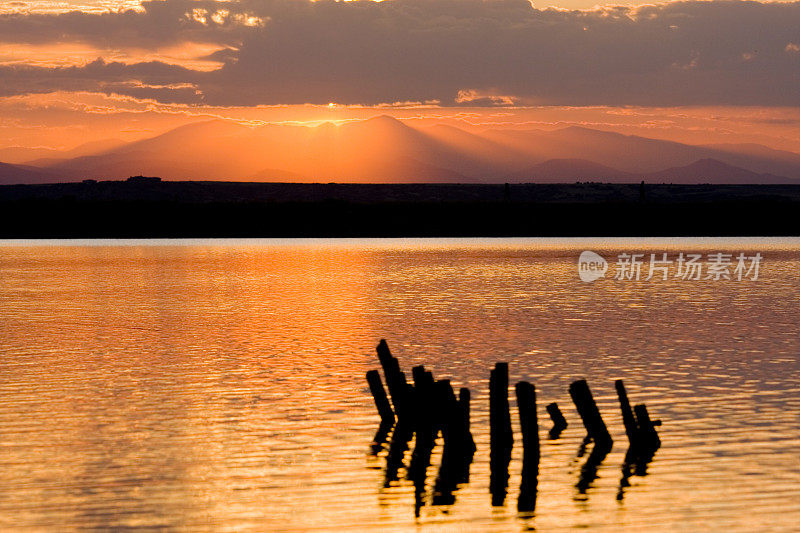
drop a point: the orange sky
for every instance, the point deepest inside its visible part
(64, 120)
(78, 71)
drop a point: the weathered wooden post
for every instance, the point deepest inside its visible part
(403, 397)
(463, 402)
(596, 429)
(628, 420)
(590, 414)
(559, 422)
(402, 434)
(501, 439)
(379, 395)
(453, 450)
(529, 426)
(426, 409)
(384, 410)
(395, 379)
(650, 439)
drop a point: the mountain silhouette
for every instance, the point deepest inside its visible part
(384, 149)
(714, 172)
(12, 174)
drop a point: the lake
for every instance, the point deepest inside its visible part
(219, 384)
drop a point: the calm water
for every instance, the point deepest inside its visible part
(219, 385)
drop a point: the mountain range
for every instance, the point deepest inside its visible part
(384, 149)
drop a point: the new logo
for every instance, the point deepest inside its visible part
(591, 266)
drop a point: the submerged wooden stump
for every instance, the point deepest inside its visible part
(650, 440)
(590, 414)
(529, 427)
(384, 410)
(628, 419)
(596, 430)
(559, 422)
(422, 410)
(501, 438)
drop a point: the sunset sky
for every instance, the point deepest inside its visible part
(697, 72)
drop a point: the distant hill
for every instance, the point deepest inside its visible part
(20, 154)
(39, 157)
(714, 172)
(384, 149)
(11, 174)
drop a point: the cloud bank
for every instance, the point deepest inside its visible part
(453, 52)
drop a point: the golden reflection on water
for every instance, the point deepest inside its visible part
(220, 385)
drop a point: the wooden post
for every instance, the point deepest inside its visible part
(379, 395)
(559, 422)
(529, 426)
(426, 411)
(384, 410)
(402, 434)
(501, 440)
(391, 369)
(650, 439)
(452, 452)
(395, 379)
(403, 398)
(596, 429)
(418, 374)
(628, 420)
(463, 401)
(590, 414)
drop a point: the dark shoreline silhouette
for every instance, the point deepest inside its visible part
(150, 209)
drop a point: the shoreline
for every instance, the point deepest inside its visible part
(121, 209)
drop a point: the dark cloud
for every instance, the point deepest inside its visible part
(295, 51)
(153, 80)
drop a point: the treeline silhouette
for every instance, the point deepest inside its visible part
(229, 209)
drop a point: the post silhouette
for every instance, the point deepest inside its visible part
(529, 427)
(596, 430)
(501, 439)
(628, 419)
(650, 439)
(453, 450)
(384, 410)
(559, 422)
(395, 378)
(398, 445)
(464, 397)
(642, 436)
(426, 412)
(422, 410)
(590, 414)
(403, 397)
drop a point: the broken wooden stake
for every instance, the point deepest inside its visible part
(384, 410)
(529, 426)
(559, 422)
(650, 439)
(628, 420)
(501, 439)
(590, 414)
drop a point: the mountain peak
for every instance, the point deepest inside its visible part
(385, 119)
(380, 125)
(709, 163)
